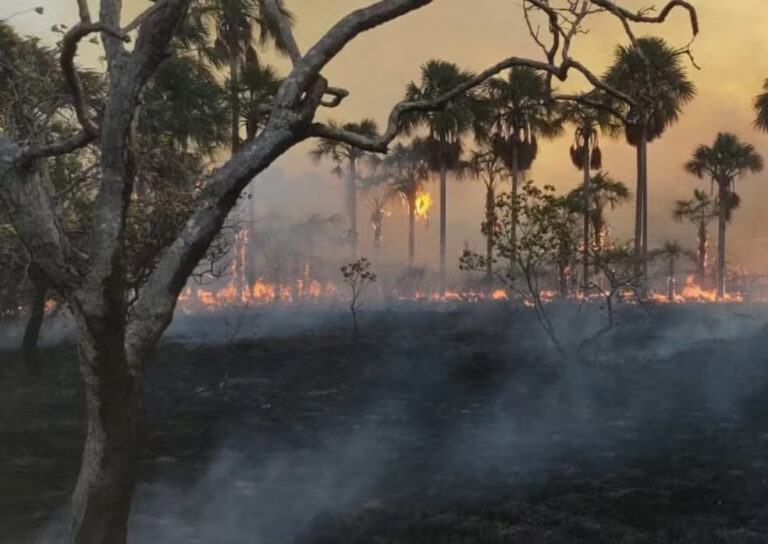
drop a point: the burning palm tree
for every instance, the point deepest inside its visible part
(699, 211)
(407, 168)
(446, 128)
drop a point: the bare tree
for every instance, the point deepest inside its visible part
(357, 275)
(113, 346)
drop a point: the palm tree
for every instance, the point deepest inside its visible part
(761, 109)
(346, 158)
(604, 192)
(672, 251)
(699, 211)
(651, 74)
(521, 113)
(378, 194)
(407, 167)
(487, 166)
(258, 86)
(586, 155)
(239, 25)
(726, 160)
(446, 129)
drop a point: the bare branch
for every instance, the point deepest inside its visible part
(69, 46)
(643, 17)
(143, 16)
(338, 95)
(54, 149)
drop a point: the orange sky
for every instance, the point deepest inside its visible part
(732, 50)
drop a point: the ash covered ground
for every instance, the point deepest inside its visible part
(440, 424)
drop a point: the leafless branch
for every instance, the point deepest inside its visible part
(54, 149)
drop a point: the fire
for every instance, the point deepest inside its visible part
(693, 292)
(423, 205)
(499, 294)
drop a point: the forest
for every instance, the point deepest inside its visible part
(515, 304)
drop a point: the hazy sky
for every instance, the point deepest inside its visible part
(732, 51)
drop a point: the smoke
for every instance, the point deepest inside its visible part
(435, 404)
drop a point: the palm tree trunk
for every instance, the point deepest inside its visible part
(587, 210)
(721, 223)
(644, 145)
(352, 205)
(597, 228)
(513, 226)
(443, 208)
(490, 208)
(411, 230)
(701, 264)
(671, 280)
(234, 72)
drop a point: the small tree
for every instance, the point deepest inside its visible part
(535, 230)
(358, 276)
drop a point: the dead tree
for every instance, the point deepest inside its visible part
(113, 346)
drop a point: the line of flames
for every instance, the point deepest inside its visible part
(692, 292)
(263, 292)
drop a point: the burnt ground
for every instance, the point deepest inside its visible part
(447, 427)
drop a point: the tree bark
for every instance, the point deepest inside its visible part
(411, 230)
(644, 148)
(490, 209)
(587, 213)
(352, 205)
(701, 263)
(721, 224)
(110, 464)
(443, 218)
(34, 322)
(638, 210)
(671, 280)
(513, 226)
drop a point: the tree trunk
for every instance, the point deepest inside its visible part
(513, 226)
(35, 322)
(644, 148)
(108, 475)
(352, 205)
(490, 209)
(562, 279)
(411, 230)
(598, 225)
(638, 210)
(443, 218)
(234, 73)
(587, 210)
(671, 280)
(701, 263)
(721, 224)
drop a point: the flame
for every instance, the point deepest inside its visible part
(693, 292)
(423, 204)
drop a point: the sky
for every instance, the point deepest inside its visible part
(732, 51)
